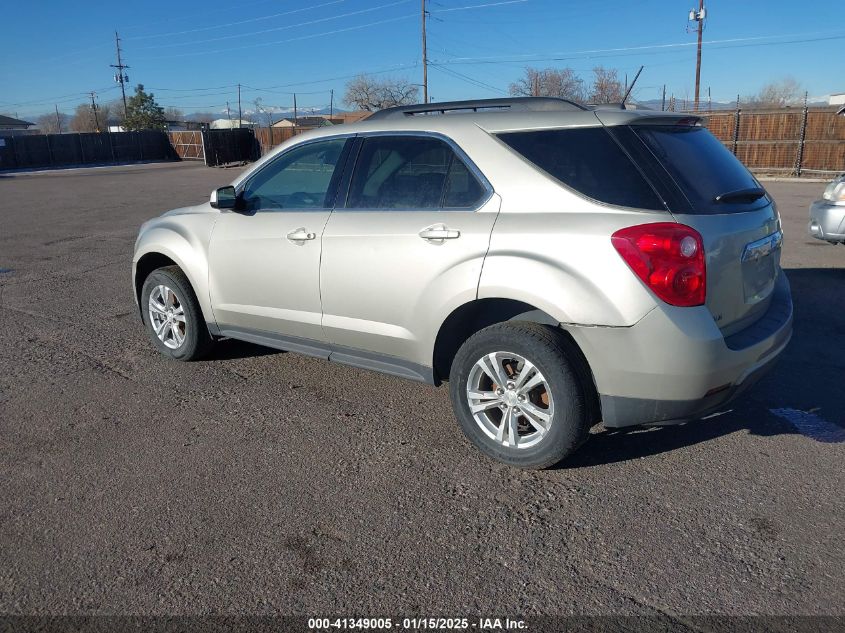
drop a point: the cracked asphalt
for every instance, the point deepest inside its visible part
(260, 482)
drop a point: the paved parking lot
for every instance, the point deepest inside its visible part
(265, 482)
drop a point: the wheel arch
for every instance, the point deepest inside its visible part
(476, 315)
(160, 257)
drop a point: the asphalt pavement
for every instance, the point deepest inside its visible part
(260, 482)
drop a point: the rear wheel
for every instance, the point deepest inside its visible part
(172, 315)
(517, 395)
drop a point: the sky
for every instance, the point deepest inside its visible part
(193, 54)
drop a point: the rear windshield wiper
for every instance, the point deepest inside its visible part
(741, 195)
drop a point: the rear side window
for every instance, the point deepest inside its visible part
(589, 161)
(702, 168)
(411, 173)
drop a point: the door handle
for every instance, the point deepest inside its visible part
(300, 235)
(439, 233)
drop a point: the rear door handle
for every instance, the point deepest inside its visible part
(300, 235)
(439, 233)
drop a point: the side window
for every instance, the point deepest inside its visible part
(462, 188)
(413, 173)
(302, 178)
(589, 161)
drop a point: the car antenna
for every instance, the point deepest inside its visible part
(631, 87)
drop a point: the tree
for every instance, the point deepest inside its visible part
(606, 86)
(85, 120)
(777, 94)
(173, 114)
(142, 112)
(549, 82)
(368, 93)
(48, 124)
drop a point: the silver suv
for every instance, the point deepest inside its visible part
(558, 265)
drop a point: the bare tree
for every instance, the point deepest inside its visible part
(549, 82)
(173, 114)
(48, 124)
(369, 93)
(606, 86)
(777, 94)
(261, 109)
(84, 119)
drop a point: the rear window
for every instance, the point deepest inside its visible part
(701, 167)
(589, 161)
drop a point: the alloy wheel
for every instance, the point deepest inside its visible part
(510, 399)
(167, 316)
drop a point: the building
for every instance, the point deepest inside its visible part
(347, 117)
(10, 126)
(304, 121)
(837, 99)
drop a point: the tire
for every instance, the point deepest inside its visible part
(562, 395)
(185, 341)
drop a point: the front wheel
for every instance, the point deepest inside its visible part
(172, 315)
(517, 394)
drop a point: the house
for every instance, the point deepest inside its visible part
(837, 99)
(304, 121)
(10, 126)
(347, 117)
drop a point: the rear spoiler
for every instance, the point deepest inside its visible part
(643, 117)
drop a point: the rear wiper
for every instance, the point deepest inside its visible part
(750, 195)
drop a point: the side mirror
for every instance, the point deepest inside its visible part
(224, 198)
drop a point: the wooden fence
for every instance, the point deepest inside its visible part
(795, 142)
(188, 145)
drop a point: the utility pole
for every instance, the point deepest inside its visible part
(331, 104)
(94, 110)
(58, 121)
(424, 55)
(295, 115)
(120, 76)
(663, 101)
(698, 16)
(240, 117)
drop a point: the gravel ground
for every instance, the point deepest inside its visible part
(260, 482)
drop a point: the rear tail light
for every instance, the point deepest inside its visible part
(668, 257)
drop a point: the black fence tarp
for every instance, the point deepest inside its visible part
(230, 146)
(61, 150)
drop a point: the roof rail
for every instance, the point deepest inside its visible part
(517, 104)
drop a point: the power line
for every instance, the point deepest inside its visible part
(640, 49)
(468, 79)
(479, 6)
(228, 24)
(283, 28)
(293, 39)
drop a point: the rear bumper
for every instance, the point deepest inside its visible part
(675, 364)
(827, 221)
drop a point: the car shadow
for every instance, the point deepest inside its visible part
(807, 378)
(231, 349)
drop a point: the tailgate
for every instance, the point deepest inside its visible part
(743, 261)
